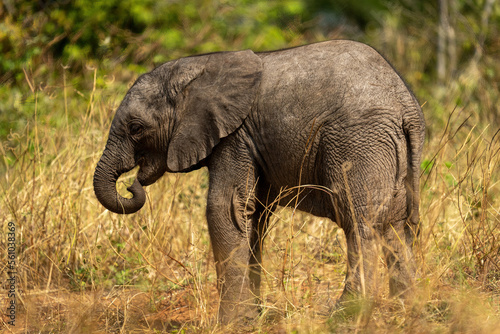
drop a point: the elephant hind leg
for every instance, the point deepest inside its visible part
(363, 215)
(399, 258)
(366, 238)
(399, 236)
(363, 248)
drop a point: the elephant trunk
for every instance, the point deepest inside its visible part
(105, 177)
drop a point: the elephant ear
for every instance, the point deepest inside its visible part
(216, 95)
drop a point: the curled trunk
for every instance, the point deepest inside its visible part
(105, 178)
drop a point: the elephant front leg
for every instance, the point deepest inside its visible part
(236, 293)
(236, 239)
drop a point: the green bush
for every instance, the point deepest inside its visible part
(39, 40)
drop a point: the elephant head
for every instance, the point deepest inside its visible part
(172, 118)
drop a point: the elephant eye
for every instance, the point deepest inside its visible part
(135, 129)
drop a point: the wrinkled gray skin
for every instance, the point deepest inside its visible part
(332, 117)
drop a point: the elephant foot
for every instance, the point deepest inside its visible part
(353, 306)
(238, 315)
(348, 303)
(400, 289)
(239, 325)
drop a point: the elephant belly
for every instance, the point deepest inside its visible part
(307, 198)
(341, 169)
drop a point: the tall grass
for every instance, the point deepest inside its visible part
(82, 268)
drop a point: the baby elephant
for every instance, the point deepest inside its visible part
(329, 128)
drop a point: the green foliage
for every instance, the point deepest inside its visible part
(76, 32)
(121, 38)
(335, 12)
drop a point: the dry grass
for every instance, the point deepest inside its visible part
(83, 269)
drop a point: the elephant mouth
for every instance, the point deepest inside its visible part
(144, 180)
(148, 173)
(142, 175)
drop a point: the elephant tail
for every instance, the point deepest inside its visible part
(414, 129)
